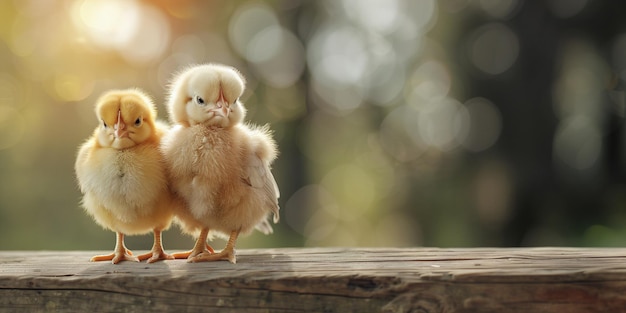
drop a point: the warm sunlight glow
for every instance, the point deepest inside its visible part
(108, 23)
(140, 33)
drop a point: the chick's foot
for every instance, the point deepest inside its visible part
(121, 253)
(155, 255)
(157, 252)
(201, 247)
(228, 254)
(195, 252)
(116, 257)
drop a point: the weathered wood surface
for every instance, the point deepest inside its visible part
(323, 280)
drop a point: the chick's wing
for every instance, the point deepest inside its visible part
(257, 175)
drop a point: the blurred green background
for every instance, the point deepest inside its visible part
(452, 123)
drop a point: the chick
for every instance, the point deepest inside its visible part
(121, 173)
(220, 166)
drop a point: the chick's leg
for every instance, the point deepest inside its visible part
(157, 252)
(228, 254)
(201, 247)
(121, 253)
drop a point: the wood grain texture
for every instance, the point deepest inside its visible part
(323, 280)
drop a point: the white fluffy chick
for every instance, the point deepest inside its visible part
(217, 164)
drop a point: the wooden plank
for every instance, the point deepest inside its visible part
(323, 280)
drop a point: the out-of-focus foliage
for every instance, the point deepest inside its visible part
(400, 122)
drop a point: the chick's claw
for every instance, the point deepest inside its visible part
(228, 254)
(157, 252)
(155, 255)
(201, 247)
(193, 253)
(225, 255)
(116, 257)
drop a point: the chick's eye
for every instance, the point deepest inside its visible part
(199, 100)
(138, 122)
(104, 124)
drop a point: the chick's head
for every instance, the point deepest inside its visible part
(209, 95)
(126, 119)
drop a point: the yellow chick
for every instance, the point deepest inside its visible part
(121, 173)
(217, 164)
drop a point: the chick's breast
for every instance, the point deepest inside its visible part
(125, 190)
(199, 160)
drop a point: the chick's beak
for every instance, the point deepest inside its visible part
(120, 127)
(222, 105)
